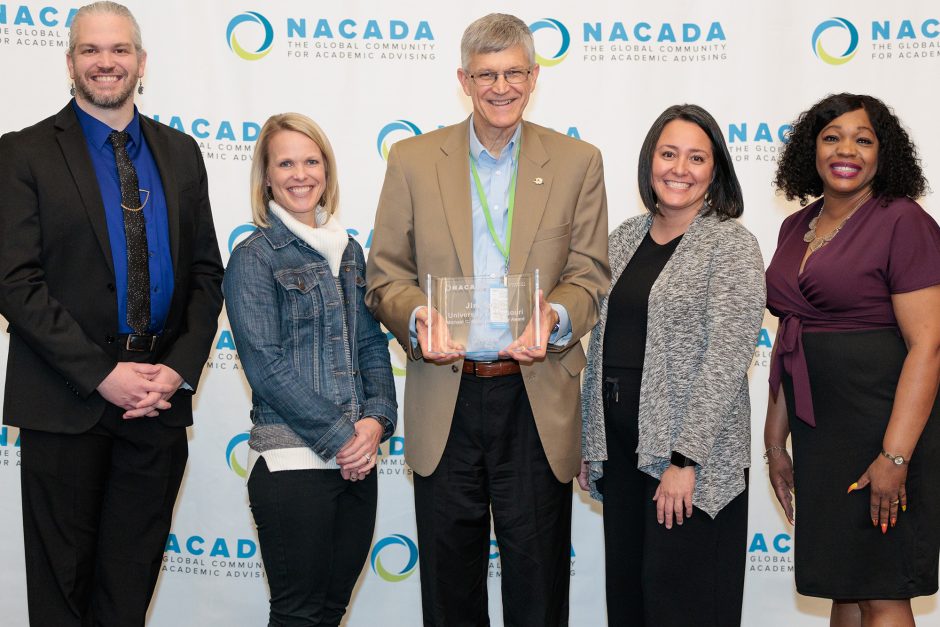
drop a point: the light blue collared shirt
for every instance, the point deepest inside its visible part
(495, 176)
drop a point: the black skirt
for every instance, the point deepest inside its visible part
(838, 554)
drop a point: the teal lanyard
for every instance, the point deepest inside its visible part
(503, 248)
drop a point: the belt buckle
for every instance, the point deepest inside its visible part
(485, 364)
(140, 342)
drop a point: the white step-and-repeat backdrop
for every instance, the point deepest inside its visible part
(372, 73)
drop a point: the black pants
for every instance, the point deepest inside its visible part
(493, 457)
(97, 508)
(692, 574)
(314, 530)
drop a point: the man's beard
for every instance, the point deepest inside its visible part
(110, 101)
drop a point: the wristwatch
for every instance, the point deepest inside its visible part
(680, 460)
(897, 459)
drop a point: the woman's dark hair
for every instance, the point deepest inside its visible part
(898, 175)
(724, 197)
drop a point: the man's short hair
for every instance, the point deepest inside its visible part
(105, 7)
(494, 33)
(299, 123)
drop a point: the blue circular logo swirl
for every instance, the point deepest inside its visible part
(255, 18)
(850, 50)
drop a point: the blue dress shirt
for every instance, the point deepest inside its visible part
(155, 215)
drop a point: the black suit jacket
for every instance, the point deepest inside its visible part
(57, 287)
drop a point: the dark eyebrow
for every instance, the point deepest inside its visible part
(839, 126)
(677, 148)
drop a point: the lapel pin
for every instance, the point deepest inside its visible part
(537, 180)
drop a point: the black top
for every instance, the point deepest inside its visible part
(627, 306)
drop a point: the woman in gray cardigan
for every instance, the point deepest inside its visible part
(666, 408)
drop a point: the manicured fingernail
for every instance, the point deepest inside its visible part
(894, 521)
(904, 508)
(884, 527)
(854, 486)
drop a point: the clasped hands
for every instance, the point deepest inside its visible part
(446, 350)
(140, 389)
(358, 456)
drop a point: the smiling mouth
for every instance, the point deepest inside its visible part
(302, 190)
(106, 78)
(845, 170)
(677, 185)
(501, 103)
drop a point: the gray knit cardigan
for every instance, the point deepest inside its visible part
(705, 313)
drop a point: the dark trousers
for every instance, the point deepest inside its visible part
(314, 530)
(692, 574)
(493, 457)
(97, 508)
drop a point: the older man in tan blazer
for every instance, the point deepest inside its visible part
(501, 433)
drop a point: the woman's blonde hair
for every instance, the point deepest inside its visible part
(260, 192)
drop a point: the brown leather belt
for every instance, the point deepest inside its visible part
(499, 368)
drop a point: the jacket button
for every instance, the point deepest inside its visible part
(109, 339)
(453, 368)
(301, 285)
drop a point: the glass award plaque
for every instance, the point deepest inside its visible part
(481, 315)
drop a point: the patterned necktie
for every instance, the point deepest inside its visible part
(138, 271)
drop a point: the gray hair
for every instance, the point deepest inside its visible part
(105, 7)
(494, 33)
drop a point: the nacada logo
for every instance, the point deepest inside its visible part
(393, 132)
(24, 15)
(770, 554)
(236, 455)
(257, 26)
(397, 549)
(823, 31)
(836, 40)
(562, 35)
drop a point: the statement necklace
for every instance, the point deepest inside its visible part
(815, 243)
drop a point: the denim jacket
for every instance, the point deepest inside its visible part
(306, 369)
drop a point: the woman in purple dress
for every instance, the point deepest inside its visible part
(855, 282)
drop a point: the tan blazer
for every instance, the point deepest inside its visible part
(423, 225)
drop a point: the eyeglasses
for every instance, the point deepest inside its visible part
(514, 77)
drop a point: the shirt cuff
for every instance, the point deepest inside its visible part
(562, 336)
(412, 327)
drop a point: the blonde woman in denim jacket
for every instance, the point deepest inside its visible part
(323, 396)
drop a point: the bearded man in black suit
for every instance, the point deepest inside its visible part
(110, 279)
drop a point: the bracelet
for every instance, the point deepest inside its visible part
(774, 451)
(897, 460)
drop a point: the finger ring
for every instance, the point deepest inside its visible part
(368, 458)
(896, 502)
